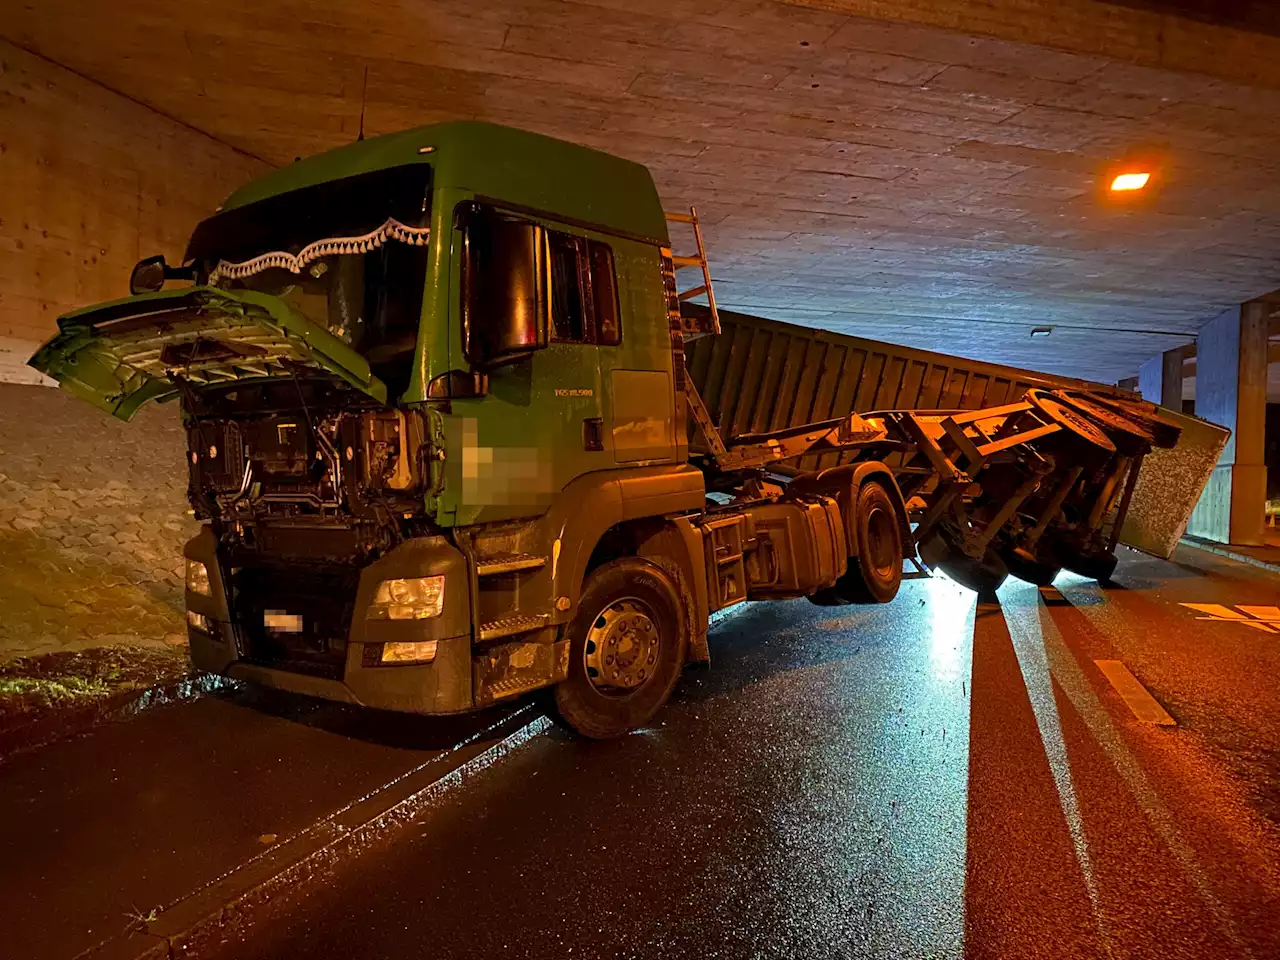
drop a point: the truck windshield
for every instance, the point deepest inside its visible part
(350, 254)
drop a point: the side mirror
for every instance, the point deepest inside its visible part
(504, 304)
(149, 275)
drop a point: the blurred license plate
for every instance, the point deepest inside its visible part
(280, 622)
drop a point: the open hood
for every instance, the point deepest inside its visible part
(120, 355)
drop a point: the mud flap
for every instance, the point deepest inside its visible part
(699, 649)
(514, 668)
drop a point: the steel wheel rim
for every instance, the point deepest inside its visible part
(622, 647)
(880, 542)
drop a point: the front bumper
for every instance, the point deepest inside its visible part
(441, 686)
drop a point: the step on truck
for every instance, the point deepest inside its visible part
(447, 447)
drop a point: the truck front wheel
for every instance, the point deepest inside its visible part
(627, 646)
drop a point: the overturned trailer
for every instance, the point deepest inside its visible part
(1002, 470)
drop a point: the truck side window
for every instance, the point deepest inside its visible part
(584, 291)
(568, 318)
(604, 294)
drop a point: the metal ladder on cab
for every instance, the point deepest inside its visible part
(695, 324)
(689, 324)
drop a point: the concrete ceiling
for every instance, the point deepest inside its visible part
(892, 180)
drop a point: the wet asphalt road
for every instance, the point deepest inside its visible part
(931, 778)
(98, 831)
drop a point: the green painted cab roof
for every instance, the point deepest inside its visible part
(502, 163)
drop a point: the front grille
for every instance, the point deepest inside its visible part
(319, 602)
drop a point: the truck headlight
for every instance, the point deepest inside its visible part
(198, 578)
(419, 598)
(414, 651)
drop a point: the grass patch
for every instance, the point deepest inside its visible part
(34, 687)
(53, 691)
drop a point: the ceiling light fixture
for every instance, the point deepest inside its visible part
(1135, 178)
(1041, 331)
(1130, 181)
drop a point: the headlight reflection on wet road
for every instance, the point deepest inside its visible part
(916, 765)
(950, 608)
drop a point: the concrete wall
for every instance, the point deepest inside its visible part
(92, 511)
(1271, 451)
(90, 181)
(1231, 380)
(1160, 379)
(1211, 517)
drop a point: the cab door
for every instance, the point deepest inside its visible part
(539, 422)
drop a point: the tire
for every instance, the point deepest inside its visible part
(628, 608)
(827, 597)
(875, 569)
(1095, 566)
(1033, 571)
(983, 576)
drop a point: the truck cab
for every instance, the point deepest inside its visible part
(422, 377)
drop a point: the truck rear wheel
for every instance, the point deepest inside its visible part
(627, 646)
(875, 569)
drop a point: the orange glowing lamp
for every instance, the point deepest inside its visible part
(1129, 181)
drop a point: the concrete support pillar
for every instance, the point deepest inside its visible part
(1231, 389)
(1160, 379)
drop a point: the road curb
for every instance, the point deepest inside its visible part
(208, 915)
(1224, 550)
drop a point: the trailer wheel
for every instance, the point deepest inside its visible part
(1032, 570)
(875, 569)
(1095, 566)
(983, 575)
(627, 646)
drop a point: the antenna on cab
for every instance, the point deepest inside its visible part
(364, 90)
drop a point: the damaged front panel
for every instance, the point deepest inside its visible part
(120, 355)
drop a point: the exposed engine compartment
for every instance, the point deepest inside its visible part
(305, 469)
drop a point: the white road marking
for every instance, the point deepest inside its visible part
(1271, 614)
(1131, 690)
(1265, 618)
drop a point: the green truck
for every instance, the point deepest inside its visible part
(446, 447)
